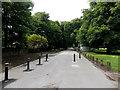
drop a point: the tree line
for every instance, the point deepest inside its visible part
(22, 30)
(97, 28)
(100, 26)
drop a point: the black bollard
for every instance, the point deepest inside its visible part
(28, 62)
(79, 55)
(6, 71)
(40, 61)
(74, 57)
(46, 57)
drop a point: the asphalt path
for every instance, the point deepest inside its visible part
(59, 72)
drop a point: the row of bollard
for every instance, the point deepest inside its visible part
(28, 66)
(98, 62)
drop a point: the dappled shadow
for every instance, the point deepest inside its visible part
(7, 82)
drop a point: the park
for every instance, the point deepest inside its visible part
(38, 52)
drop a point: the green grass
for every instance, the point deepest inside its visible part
(113, 59)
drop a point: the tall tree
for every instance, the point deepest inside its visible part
(48, 28)
(15, 21)
(98, 28)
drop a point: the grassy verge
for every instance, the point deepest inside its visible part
(113, 59)
(21, 59)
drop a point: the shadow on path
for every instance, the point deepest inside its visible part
(7, 82)
(52, 55)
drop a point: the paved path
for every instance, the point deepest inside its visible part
(59, 72)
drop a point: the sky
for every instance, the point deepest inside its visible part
(61, 10)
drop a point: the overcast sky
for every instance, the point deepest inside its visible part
(61, 10)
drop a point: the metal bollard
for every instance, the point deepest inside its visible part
(6, 71)
(40, 61)
(79, 55)
(28, 62)
(46, 57)
(74, 57)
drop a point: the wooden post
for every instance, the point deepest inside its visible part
(108, 66)
(93, 58)
(88, 56)
(101, 62)
(96, 60)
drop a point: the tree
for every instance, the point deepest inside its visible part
(15, 20)
(51, 29)
(36, 41)
(99, 26)
(69, 32)
(114, 22)
(54, 35)
(83, 30)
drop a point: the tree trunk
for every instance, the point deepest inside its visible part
(6, 37)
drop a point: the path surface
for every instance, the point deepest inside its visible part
(59, 72)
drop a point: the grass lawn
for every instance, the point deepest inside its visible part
(114, 59)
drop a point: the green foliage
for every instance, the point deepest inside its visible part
(100, 26)
(47, 28)
(36, 41)
(15, 23)
(97, 28)
(69, 31)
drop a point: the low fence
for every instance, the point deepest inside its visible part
(99, 63)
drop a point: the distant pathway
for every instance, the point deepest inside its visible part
(59, 72)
